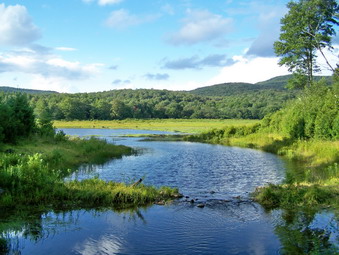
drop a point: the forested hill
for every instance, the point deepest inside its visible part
(29, 91)
(229, 89)
(243, 102)
(225, 89)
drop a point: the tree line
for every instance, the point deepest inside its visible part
(144, 103)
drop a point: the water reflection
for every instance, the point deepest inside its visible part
(219, 228)
(308, 232)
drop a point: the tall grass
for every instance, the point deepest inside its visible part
(34, 175)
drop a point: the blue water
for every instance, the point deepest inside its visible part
(197, 169)
(220, 177)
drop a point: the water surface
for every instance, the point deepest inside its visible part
(220, 177)
(197, 169)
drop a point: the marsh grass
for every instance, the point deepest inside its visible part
(301, 195)
(172, 125)
(34, 176)
(94, 192)
(70, 152)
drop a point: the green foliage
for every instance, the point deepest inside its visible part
(218, 135)
(16, 118)
(119, 110)
(225, 101)
(20, 90)
(44, 119)
(313, 115)
(298, 81)
(307, 27)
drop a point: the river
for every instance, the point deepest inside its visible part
(219, 177)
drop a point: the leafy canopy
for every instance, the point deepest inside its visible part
(306, 29)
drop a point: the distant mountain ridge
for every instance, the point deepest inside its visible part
(236, 88)
(28, 91)
(225, 89)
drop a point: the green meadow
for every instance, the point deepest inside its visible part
(171, 125)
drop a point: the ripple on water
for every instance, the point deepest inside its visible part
(235, 226)
(196, 169)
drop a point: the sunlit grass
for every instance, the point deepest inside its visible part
(32, 174)
(172, 125)
(303, 194)
(94, 192)
(70, 152)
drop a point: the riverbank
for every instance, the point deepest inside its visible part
(33, 171)
(314, 183)
(170, 125)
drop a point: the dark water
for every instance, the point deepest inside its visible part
(218, 176)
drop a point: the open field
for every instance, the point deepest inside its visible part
(172, 125)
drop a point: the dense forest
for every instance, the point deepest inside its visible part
(242, 101)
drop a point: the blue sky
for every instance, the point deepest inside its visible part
(100, 45)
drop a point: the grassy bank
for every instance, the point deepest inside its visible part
(32, 174)
(306, 131)
(172, 125)
(315, 182)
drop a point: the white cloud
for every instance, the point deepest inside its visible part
(107, 2)
(16, 26)
(58, 84)
(65, 49)
(199, 26)
(121, 19)
(46, 65)
(103, 2)
(249, 70)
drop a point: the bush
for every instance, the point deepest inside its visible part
(314, 115)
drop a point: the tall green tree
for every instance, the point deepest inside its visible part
(306, 29)
(16, 118)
